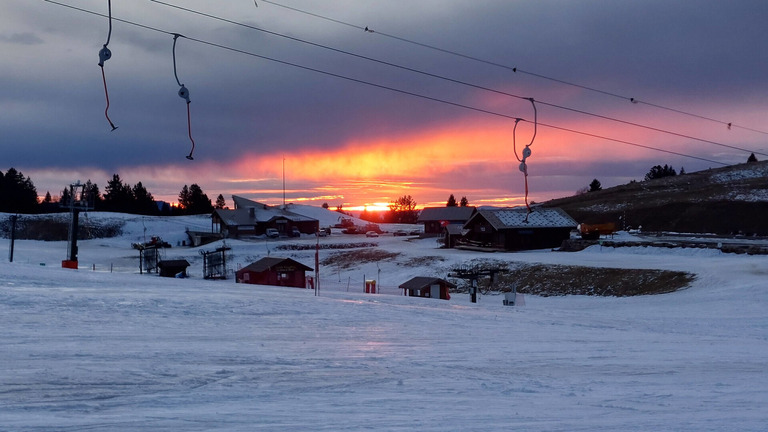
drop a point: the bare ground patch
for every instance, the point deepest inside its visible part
(349, 259)
(423, 261)
(558, 280)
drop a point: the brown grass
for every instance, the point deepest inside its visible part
(361, 256)
(557, 280)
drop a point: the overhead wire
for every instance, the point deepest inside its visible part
(728, 124)
(393, 89)
(455, 81)
(105, 54)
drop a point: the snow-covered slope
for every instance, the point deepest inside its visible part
(101, 350)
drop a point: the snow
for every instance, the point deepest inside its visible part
(116, 350)
(747, 171)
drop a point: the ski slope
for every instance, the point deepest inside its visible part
(101, 350)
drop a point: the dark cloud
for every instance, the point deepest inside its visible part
(262, 94)
(21, 38)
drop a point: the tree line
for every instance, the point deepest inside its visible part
(19, 195)
(402, 210)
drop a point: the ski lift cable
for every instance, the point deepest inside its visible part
(456, 81)
(104, 55)
(184, 94)
(360, 81)
(729, 125)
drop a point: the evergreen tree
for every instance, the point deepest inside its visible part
(451, 201)
(222, 203)
(752, 158)
(64, 198)
(464, 202)
(94, 195)
(194, 200)
(144, 202)
(48, 205)
(17, 193)
(184, 197)
(658, 172)
(118, 197)
(595, 186)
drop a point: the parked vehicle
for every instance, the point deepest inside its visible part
(295, 232)
(594, 231)
(400, 233)
(371, 234)
(372, 227)
(272, 233)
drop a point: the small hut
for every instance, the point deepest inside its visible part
(274, 271)
(173, 268)
(431, 287)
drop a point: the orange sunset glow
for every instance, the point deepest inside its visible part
(334, 115)
(389, 167)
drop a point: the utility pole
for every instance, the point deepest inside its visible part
(317, 265)
(13, 236)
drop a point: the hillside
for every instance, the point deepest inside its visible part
(729, 200)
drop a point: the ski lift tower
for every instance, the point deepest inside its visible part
(78, 201)
(473, 274)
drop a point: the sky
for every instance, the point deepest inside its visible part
(294, 99)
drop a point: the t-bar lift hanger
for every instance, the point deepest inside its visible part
(104, 55)
(184, 94)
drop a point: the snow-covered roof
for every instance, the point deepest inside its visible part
(249, 212)
(505, 218)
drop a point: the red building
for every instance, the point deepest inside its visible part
(274, 271)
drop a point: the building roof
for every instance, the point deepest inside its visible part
(423, 282)
(506, 218)
(458, 214)
(243, 215)
(454, 229)
(173, 263)
(267, 263)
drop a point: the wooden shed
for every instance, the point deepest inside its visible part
(431, 287)
(451, 235)
(507, 229)
(274, 271)
(173, 268)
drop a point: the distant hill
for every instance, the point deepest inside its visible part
(729, 200)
